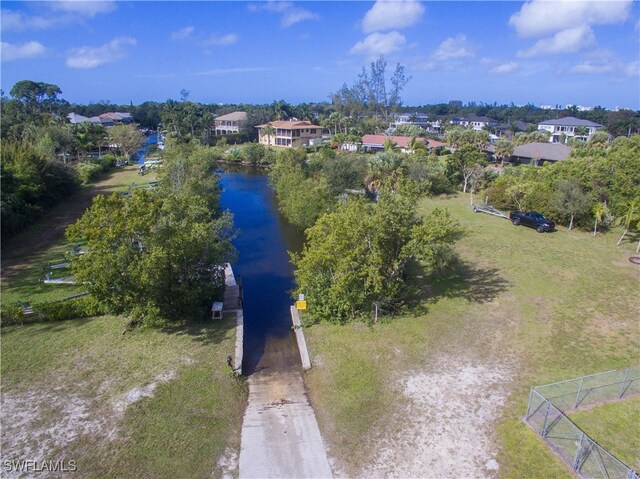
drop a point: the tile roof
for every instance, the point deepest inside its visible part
(290, 125)
(543, 151)
(570, 121)
(400, 141)
(235, 116)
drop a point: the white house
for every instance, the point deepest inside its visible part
(565, 128)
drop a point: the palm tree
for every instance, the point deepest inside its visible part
(504, 149)
(269, 131)
(599, 211)
(389, 145)
(414, 145)
(629, 219)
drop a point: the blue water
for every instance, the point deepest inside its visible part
(141, 153)
(264, 267)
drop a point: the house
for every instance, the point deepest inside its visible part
(290, 133)
(377, 142)
(418, 119)
(106, 119)
(569, 127)
(514, 127)
(477, 122)
(230, 123)
(538, 153)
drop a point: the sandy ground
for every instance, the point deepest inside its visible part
(39, 424)
(447, 424)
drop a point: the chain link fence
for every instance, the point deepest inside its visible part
(546, 415)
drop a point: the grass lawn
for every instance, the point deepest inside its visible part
(70, 390)
(616, 427)
(537, 308)
(25, 258)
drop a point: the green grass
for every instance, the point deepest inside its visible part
(187, 424)
(616, 427)
(28, 265)
(550, 306)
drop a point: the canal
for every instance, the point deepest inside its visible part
(265, 271)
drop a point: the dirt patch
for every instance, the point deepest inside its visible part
(447, 423)
(227, 465)
(39, 424)
(138, 393)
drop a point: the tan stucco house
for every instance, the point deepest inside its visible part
(230, 123)
(290, 133)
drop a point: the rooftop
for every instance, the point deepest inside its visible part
(543, 151)
(570, 121)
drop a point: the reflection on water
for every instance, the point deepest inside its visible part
(263, 265)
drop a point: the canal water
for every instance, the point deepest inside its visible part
(265, 271)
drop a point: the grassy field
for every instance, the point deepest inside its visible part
(72, 386)
(616, 427)
(25, 258)
(537, 308)
(138, 404)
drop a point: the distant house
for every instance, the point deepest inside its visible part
(565, 128)
(377, 142)
(106, 119)
(230, 123)
(477, 122)
(290, 133)
(514, 126)
(538, 153)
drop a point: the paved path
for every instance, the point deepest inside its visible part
(280, 435)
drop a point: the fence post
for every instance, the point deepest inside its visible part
(575, 405)
(578, 457)
(546, 416)
(526, 417)
(624, 381)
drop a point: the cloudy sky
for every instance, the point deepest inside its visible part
(581, 52)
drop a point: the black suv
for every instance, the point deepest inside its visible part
(533, 220)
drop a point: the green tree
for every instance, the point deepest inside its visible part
(268, 131)
(570, 200)
(464, 162)
(503, 150)
(599, 211)
(151, 256)
(629, 219)
(37, 97)
(126, 138)
(356, 255)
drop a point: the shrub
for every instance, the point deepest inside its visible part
(89, 171)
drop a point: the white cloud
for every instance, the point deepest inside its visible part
(84, 8)
(599, 61)
(54, 14)
(504, 68)
(538, 18)
(11, 52)
(454, 48)
(92, 57)
(566, 41)
(182, 34)
(377, 44)
(632, 69)
(392, 14)
(222, 41)
(291, 14)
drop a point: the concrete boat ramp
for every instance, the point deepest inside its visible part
(280, 434)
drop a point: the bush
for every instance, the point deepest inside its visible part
(89, 172)
(82, 307)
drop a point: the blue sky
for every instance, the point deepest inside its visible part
(540, 52)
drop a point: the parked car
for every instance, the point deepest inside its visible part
(533, 220)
